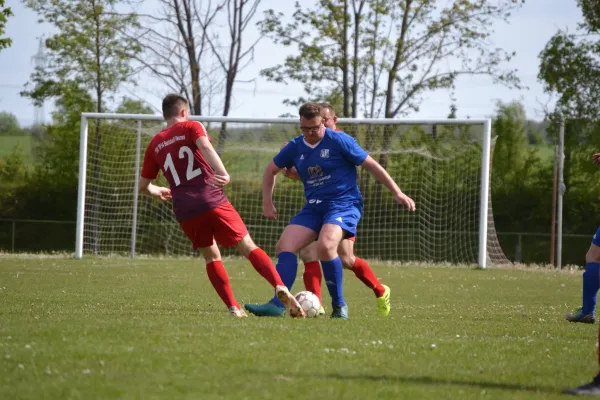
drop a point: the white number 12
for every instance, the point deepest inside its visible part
(191, 173)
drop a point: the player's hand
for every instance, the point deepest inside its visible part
(218, 181)
(269, 211)
(596, 159)
(406, 201)
(291, 173)
(162, 193)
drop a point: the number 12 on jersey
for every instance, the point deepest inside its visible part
(191, 173)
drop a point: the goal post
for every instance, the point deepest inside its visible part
(444, 164)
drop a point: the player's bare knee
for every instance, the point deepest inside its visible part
(210, 254)
(279, 246)
(246, 246)
(593, 254)
(347, 260)
(309, 254)
(289, 244)
(326, 249)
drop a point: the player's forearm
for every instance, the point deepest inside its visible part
(214, 161)
(268, 185)
(382, 176)
(151, 189)
(268, 188)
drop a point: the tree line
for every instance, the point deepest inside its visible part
(369, 58)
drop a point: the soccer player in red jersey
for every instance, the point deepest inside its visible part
(312, 267)
(196, 176)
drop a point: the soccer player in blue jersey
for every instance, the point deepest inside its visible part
(591, 277)
(309, 255)
(326, 162)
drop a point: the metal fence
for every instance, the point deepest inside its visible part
(35, 236)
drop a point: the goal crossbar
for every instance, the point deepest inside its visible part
(86, 116)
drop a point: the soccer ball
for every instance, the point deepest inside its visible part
(309, 302)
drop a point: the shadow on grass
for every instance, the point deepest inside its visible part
(426, 380)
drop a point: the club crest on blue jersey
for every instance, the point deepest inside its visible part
(328, 171)
(315, 171)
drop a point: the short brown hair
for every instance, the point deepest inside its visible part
(171, 105)
(310, 110)
(328, 107)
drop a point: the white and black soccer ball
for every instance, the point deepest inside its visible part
(309, 302)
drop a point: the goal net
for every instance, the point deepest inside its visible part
(441, 164)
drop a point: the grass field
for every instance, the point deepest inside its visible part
(155, 329)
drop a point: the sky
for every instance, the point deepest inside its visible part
(527, 32)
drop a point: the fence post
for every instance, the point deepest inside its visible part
(14, 223)
(561, 192)
(554, 199)
(519, 248)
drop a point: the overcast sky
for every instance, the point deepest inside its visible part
(527, 33)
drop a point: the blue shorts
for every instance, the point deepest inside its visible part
(345, 215)
(596, 238)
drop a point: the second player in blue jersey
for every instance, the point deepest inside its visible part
(328, 172)
(326, 162)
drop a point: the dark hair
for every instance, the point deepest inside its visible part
(328, 107)
(171, 105)
(310, 110)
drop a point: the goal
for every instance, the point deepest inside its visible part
(444, 165)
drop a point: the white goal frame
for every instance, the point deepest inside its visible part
(83, 147)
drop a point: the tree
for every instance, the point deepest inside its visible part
(380, 56)
(89, 55)
(5, 12)
(59, 152)
(9, 126)
(521, 184)
(88, 52)
(569, 69)
(132, 106)
(175, 49)
(569, 66)
(235, 56)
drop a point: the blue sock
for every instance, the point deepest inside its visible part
(591, 284)
(287, 268)
(333, 271)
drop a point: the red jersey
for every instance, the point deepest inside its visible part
(174, 151)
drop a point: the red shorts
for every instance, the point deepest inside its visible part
(352, 239)
(222, 224)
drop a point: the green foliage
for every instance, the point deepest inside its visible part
(569, 66)
(380, 57)
(90, 53)
(569, 69)
(521, 183)
(514, 160)
(13, 169)
(5, 12)
(9, 126)
(132, 106)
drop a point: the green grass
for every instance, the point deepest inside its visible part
(9, 143)
(154, 328)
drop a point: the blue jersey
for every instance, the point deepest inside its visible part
(327, 169)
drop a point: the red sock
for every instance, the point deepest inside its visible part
(264, 266)
(220, 281)
(363, 271)
(312, 278)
